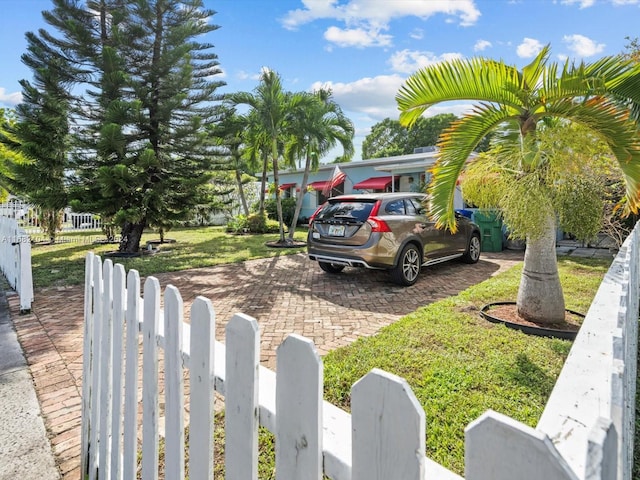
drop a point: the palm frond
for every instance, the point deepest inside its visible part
(613, 125)
(455, 146)
(461, 79)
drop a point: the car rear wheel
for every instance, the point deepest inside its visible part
(472, 255)
(408, 268)
(331, 267)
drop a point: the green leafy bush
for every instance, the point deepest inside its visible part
(238, 224)
(288, 209)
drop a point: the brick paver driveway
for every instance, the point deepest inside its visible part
(286, 294)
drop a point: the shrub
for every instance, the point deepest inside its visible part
(238, 224)
(288, 209)
(257, 223)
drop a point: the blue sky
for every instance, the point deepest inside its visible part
(364, 49)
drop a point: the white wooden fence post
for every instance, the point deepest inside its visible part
(388, 429)
(174, 384)
(500, 448)
(130, 434)
(201, 395)
(106, 379)
(150, 412)
(94, 433)
(298, 410)
(242, 341)
(87, 353)
(25, 289)
(602, 452)
(119, 294)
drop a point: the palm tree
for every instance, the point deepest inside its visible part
(272, 111)
(228, 134)
(603, 96)
(319, 128)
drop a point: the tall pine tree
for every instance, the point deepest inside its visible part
(143, 156)
(41, 135)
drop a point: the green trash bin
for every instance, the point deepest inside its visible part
(490, 225)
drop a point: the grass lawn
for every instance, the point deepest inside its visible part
(460, 365)
(63, 263)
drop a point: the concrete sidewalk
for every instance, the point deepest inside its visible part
(25, 451)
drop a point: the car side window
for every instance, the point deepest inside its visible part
(395, 208)
(409, 207)
(418, 206)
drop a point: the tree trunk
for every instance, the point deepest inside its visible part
(243, 199)
(131, 236)
(299, 200)
(263, 185)
(540, 297)
(276, 180)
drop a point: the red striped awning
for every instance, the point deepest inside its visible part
(287, 186)
(373, 183)
(321, 185)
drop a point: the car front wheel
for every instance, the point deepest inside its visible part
(331, 267)
(408, 268)
(472, 255)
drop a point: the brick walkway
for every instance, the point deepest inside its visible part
(286, 294)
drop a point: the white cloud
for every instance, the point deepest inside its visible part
(408, 61)
(625, 2)
(417, 34)
(369, 16)
(10, 99)
(581, 3)
(368, 101)
(357, 37)
(481, 45)
(529, 47)
(242, 75)
(373, 96)
(582, 46)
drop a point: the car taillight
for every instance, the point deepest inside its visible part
(378, 225)
(312, 218)
(376, 208)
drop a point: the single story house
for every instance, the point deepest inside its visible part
(402, 173)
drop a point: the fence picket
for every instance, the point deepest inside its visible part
(602, 447)
(514, 449)
(174, 384)
(94, 430)
(387, 419)
(87, 352)
(201, 389)
(150, 412)
(298, 410)
(242, 340)
(119, 294)
(106, 382)
(130, 429)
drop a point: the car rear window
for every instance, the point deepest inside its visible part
(354, 210)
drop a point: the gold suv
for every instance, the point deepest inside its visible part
(386, 231)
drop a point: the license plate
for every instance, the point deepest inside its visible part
(336, 230)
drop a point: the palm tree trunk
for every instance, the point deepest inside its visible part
(299, 200)
(276, 180)
(243, 199)
(263, 183)
(540, 297)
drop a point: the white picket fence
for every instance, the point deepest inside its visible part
(28, 217)
(15, 260)
(383, 438)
